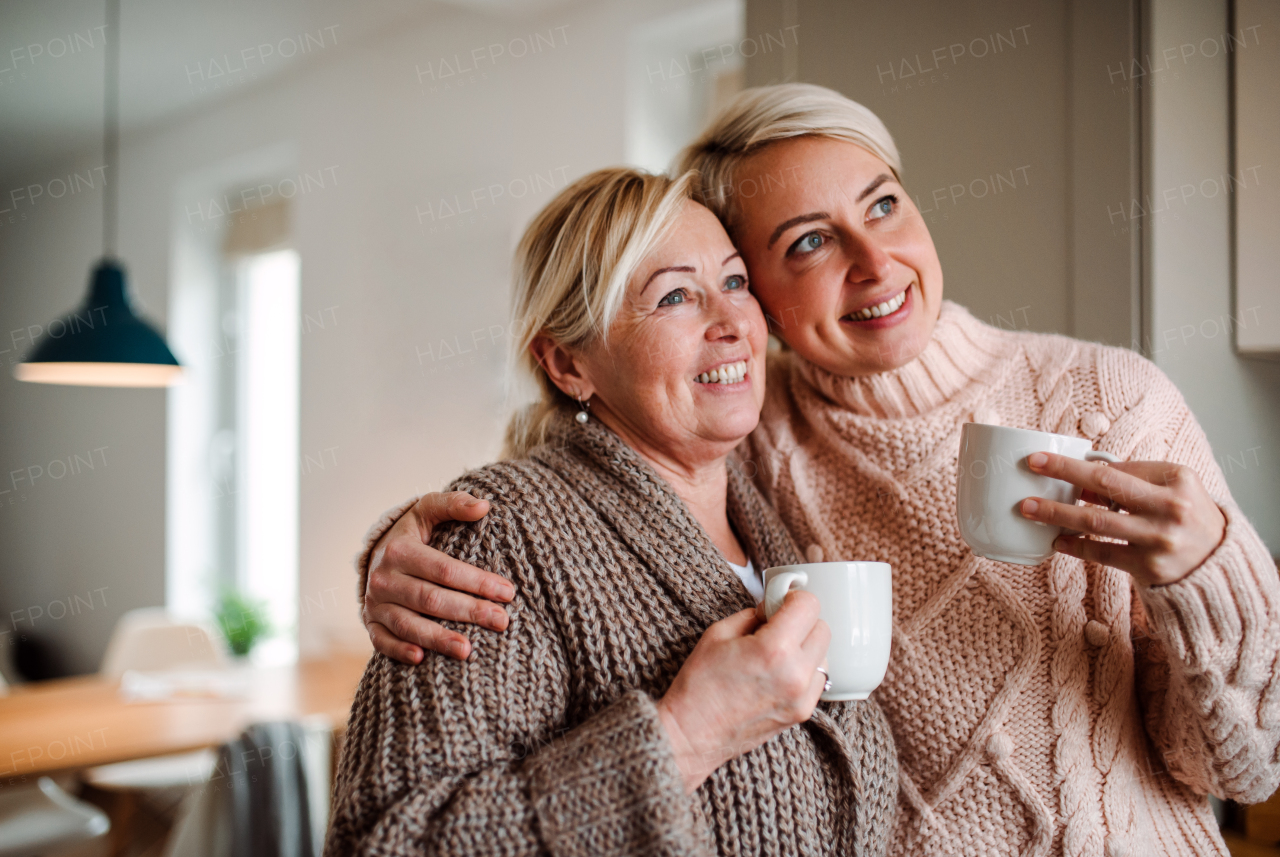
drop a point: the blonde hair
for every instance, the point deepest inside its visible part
(571, 272)
(763, 115)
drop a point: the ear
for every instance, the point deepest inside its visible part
(563, 367)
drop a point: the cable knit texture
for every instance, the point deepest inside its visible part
(1040, 710)
(547, 740)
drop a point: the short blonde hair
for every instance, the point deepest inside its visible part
(763, 115)
(571, 272)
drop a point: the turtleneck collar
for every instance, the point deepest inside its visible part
(961, 351)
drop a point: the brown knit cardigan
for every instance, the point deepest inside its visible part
(547, 740)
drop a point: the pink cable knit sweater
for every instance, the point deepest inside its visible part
(1036, 710)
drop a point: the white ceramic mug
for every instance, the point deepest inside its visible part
(992, 481)
(857, 604)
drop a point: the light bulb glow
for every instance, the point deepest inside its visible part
(100, 374)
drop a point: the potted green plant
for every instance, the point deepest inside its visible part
(243, 620)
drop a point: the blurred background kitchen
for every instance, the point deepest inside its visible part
(315, 203)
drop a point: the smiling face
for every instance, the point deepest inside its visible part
(681, 375)
(839, 256)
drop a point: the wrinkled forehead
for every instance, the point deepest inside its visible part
(695, 238)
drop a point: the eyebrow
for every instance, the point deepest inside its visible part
(677, 268)
(821, 215)
(686, 269)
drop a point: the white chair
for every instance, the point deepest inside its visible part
(151, 639)
(40, 818)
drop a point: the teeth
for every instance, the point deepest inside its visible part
(730, 373)
(880, 309)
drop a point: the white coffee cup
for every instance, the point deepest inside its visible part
(992, 481)
(857, 604)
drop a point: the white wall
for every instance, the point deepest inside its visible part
(1237, 401)
(402, 388)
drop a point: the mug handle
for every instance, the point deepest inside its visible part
(777, 590)
(1099, 455)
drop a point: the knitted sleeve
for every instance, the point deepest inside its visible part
(1206, 660)
(480, 756)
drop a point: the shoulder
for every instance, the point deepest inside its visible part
(1122, 377)
(511, 480)
(1101, 387)
(524, 497)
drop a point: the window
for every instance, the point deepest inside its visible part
(681, 69)
(232, 504)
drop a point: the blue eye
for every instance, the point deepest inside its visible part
(673, 298)
(735, 282)
(808, 242)
(883, 207)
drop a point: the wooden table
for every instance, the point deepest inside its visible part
(75, 723)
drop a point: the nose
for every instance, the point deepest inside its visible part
(729, 320)
(869, 263)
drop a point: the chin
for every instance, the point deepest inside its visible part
(732, 427)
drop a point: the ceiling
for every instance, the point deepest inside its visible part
(176, 56)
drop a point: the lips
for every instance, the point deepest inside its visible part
(881, 309)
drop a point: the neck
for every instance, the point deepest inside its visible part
(703, 484)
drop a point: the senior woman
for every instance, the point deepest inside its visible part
(635, 704)
(1083, 707)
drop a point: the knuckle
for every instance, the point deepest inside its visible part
(1109, 478)
(793, 687)
(477, 613)
(434, 601)
(448, 572)
(1095, 520)
(398, 625)
(1166, 541)
(377, 586)
(1180, 508)
(393, 555)
(773, 658)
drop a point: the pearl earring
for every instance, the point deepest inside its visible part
(582, 416)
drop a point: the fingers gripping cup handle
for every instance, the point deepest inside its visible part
(776, 592)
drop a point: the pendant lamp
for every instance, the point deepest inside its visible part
(104, 344)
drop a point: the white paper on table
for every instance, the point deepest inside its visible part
(150, 686)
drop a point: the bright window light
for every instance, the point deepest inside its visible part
(267, 431)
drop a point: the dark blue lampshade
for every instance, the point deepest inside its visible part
(103, 343)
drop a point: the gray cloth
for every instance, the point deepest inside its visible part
(266, 785)
(256, 803)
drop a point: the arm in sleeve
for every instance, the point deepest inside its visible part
(380, 527)
(1207, 672)
(478, 757)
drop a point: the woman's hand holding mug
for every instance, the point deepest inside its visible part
(745, 682)
(1171, 528)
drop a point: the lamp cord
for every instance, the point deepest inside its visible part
(111, 128)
